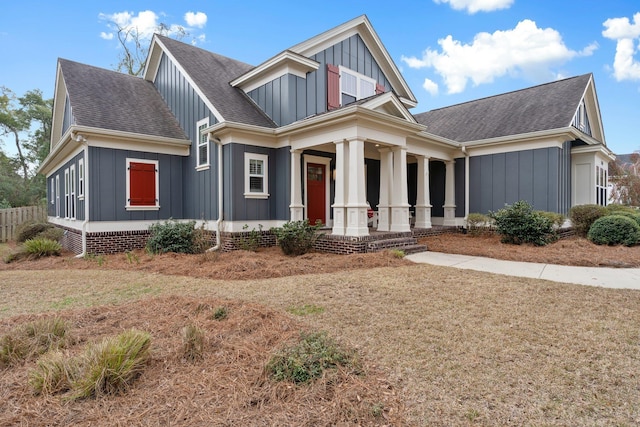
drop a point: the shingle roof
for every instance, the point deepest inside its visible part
(110, 100)
(212, 73)
(544, 107)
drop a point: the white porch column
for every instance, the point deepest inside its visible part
(423, 199)
(386, 183)
(449, 194)
(296, 208)
(357, 202)
(400, 197)
(339, 201)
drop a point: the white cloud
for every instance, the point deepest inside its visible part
(106, 36)
(473, 6)
(627, 35)
(198, 19)
(526, 50)
(430, 86)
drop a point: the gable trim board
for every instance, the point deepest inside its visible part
(279, 107)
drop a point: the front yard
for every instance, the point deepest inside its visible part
(456, 347)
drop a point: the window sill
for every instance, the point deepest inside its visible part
(80, 197)
(142, 208)
(256, 195)
(203, 167)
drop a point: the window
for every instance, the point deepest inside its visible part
(52, 193)
(601, 186)
(142, 185)
(58, 196)
(256, 183)
(72, 192)
(356, 85)
(66, 193)
(202, 155)
(81, 179)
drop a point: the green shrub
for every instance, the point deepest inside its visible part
(583, 216)
(616, 208)
(31, 229)
(634, 215)
(309, 358)
(519, 223)
(52, 233)
(557, 219)
(41, 247)
(33, 339)
(296, 237)
(173, 236)
(250, 240)
(111, 366)
(476, 222)
(614, 230)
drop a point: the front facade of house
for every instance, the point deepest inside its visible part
(321, 131)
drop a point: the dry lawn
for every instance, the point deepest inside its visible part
(442, 346)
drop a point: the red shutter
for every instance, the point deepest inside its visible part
(379, 89)
(333, 87)
(142, 184)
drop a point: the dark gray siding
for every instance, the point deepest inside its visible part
(239, 208)
(107, 186)
(459, 187)
(200, 199)
(51, 208)
(505, 178)
(292, 98)
(437, 172)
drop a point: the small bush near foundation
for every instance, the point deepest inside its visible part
(41, 247)
(173, 236)
(583, 216)
(31, 229)
(33, 339)
(630, 214)
(296, 237)
(557, 219)
(614, 230)
(53, 233)
(192, 343)
(111, 366)
(519, 223)
(616, 208)
(476, 222)
(309, 358)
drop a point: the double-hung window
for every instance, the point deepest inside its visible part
(256, 181)
(81, 179)
(355, 85)
(72, 192)
(202, 155)
(58, 196)
(142, 185)
(52, 192)
(67, 207)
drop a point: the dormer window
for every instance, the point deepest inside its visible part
(355, 86)
(581, 119)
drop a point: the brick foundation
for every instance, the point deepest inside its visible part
(71, 239)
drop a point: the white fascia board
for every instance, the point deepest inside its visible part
(284, 63)
(389, 99)
(60, 95)
(193, 84)
(363, 27)
(153, 61)
(596, 148)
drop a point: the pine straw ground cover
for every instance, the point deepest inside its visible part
(228, 386)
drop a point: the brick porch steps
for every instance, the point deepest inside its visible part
(408, 245)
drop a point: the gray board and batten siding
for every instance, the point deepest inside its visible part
(541, 177)
(291, 98)
(107, 186)
(200, 188)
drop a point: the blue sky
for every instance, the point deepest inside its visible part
(449, 51)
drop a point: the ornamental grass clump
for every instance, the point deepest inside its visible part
(519, 223)
(55, 372)
(110, 366)
(614, 230)
(33, 339)
(309, 358)
(192, 343)
(42, 247)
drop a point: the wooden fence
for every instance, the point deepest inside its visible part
(12, 218)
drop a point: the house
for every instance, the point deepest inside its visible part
(322, 130)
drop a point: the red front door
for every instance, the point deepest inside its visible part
(316, 193)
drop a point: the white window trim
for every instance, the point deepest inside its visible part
(72, 191)
(66, 193)
(57, 195)
(81, 179)
(53, 193)
(359, 77)
(265, 177)
(128, 186)
(204, 166)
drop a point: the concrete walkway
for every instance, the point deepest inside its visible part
(620, 278)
